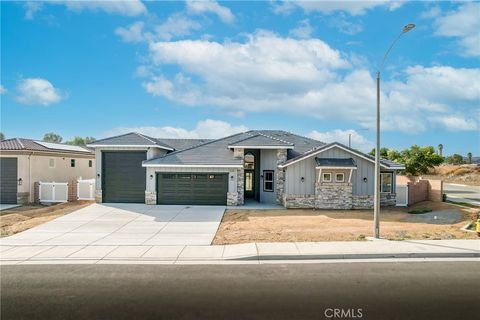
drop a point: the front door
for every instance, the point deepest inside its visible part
(249, 183)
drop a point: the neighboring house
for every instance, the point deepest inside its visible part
(24, 162)
(268, 166)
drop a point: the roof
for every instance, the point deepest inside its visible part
(131, 139)
(261, 140)
(21, 144)
(383, 162)
(217, 152)
(336, 162)
(181, 144)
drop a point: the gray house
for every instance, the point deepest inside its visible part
(268, 166)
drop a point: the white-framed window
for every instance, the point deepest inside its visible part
(339, 177)
(326, 177)
(51, 163)
(268, 180)
(386, 182)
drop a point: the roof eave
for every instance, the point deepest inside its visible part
(128, 146)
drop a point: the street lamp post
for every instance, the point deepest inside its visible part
(376, 204)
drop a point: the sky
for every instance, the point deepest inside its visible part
(206, 69)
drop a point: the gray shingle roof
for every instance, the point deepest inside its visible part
(335, 162)
(131, 139)
(181, 144)
(216, 152)
(262, 140)
(33, 145)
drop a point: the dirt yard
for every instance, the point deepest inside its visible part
(444, 222)
(25, 217)
(463, 174)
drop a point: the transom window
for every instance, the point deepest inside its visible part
(339, 177)
(386, 182)
(249, 161)
(268, 180)
(326, 177)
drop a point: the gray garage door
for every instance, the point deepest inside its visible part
(123, 177)
(192, 188)
(8, 180)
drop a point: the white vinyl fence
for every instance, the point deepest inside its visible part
(53, 191)
(85, 189)
(402, 195)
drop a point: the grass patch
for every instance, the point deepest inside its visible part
(420, 211)
(361, 237)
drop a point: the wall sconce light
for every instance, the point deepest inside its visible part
(151, 176)
(98, 175)
(20, 181)
(365, 179)
(232, 177)
(302, 179)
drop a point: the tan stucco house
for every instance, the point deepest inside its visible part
(24, 162)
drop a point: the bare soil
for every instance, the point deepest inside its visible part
(242, 226)
(25, 217)
(463, 174)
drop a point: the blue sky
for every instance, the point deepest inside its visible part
(209, 69)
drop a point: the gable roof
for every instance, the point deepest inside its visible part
(217, 152)
(22, 144)
(383, 162)
(131, 139)
(181, 144)
(261, 140)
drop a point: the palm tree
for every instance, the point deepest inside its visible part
(469, 156)
(440, 149)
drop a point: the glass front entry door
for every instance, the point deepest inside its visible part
(249, 183)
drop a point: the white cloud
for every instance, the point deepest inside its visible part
(129, 8)
(456, 123)
(36, 91)
(354, 8)
(357, 140)
(206, 129)
(303, 31)
(176, 25)
(133, 33)
(2, 89)
(462, 24)
(200, 7)
(342, 24)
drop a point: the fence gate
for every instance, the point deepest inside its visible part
(85, 189)
(402, 195)
(53, 191)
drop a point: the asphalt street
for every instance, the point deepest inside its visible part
(382, 290)
(462, 193)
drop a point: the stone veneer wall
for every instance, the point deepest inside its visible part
(293, 201)
(150, 197)
(240, 187)
(23, 197)
(98, 196)
(333, 195)
(280, 173)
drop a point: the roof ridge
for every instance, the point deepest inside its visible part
(118, 135)
(20, 142)
(146, 137)
(273, 138)
(304, 137)
(250, 136)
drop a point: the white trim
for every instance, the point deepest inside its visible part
(261, 147)
(343, 177)
(192, 165)
(350, 176)
(344, 149)
(126, 146)
(330, 180)
(322, 167)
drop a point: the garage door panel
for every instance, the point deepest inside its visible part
(192, 188)
(124, 178)
(8, 180)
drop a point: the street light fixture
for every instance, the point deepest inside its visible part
(376, 204)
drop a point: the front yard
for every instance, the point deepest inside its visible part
(443, 222)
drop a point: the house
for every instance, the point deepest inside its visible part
(268, 166)
(24, 162)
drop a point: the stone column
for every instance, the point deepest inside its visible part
(150, 197)
(98, 196)
(240, 187)
(280, 175)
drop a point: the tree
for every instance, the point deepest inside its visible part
(52, 137)
(79, 141)
(383, 152)
(2, 136)
(455, 159)
(469, 156)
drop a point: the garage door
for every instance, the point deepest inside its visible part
(123, 177)
(192, 188)
(8, 180)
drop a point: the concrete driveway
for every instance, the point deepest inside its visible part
(126, 224)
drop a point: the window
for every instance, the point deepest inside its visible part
(90, 163)
(249, 161)
(72, 163)
(386, 182)
(268, 180)
(326, 177)
(51, 163)
(339, 177)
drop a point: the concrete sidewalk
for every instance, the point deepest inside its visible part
(240, 253)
